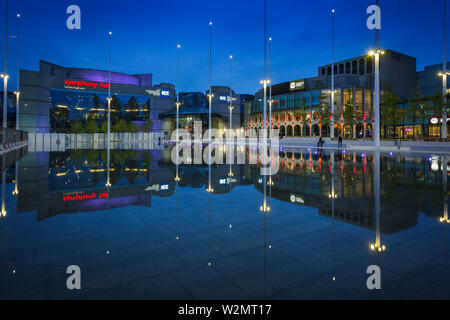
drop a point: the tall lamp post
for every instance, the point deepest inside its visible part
(178, 87)
(377, 53)
(332, 75)
(18, 73)
(444, 77)
(177, 178)
(270, 85)
(108, 137)
(231, 95)
(5, 77)
(210, 81)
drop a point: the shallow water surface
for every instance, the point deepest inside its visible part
(153, 236)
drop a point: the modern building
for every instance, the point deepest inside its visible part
(299, 107)
(54, 98)
(429, 83)
(11, 110)
(194, 106)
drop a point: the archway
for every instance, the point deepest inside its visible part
(325, 131)
(289, 131)
(315, 130)
(359, 131)
(282, 131)
(368, 130)
(297, 131)
(305, 132)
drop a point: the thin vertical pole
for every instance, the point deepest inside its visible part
(210, 80)
(444, 76)
(377, 197)
(178, 88)
(5, 79)
(270, 84)
(231, 94)
(332, 75)
(18, 73)
(108, 184)
(377, 100)
(265, 74)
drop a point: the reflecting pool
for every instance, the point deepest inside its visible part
(162, 231)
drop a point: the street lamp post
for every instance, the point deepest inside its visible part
(377, 54)
(18, 74)
(210, 80)
(270, 85)
(332, 76)
(231, 96)
(108, 137)
(5, 77)
(376, 99)
(444, 76)
(178, 87)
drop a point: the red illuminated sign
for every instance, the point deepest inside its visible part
(81, 197)
(85, 84)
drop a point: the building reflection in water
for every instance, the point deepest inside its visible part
(76, 181)
(380, 192)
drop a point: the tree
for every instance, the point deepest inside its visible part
(104, 127)
(148, 125)
(132, 127)
(120, 126)
(349, 114)
(77, 127)
(91, 127)
(418, 110)
(390, 113)
(325, 111)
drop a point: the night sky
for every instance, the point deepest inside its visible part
(145, 35)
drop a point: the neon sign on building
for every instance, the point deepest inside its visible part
(81, 85)
(88, 196)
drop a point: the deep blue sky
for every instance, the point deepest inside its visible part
(145, 34)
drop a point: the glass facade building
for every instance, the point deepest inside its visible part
(68, 107)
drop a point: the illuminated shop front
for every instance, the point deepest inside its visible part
(302, 108)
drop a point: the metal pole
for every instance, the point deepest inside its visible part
(265, 75)
(178, 87)
(210, 80)
(109, 112)
(444, 76)
(332, 76)
(270, 84)
(444, 186)
(5, 78)
(377, 88)
(231, 94)
(377, 100)
(3, 193)
(377, 197)
(18, 74)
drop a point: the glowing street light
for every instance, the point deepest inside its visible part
(376, 54)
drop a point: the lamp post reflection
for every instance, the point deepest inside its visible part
(332, 196)
(377, 246)
(444, 218)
